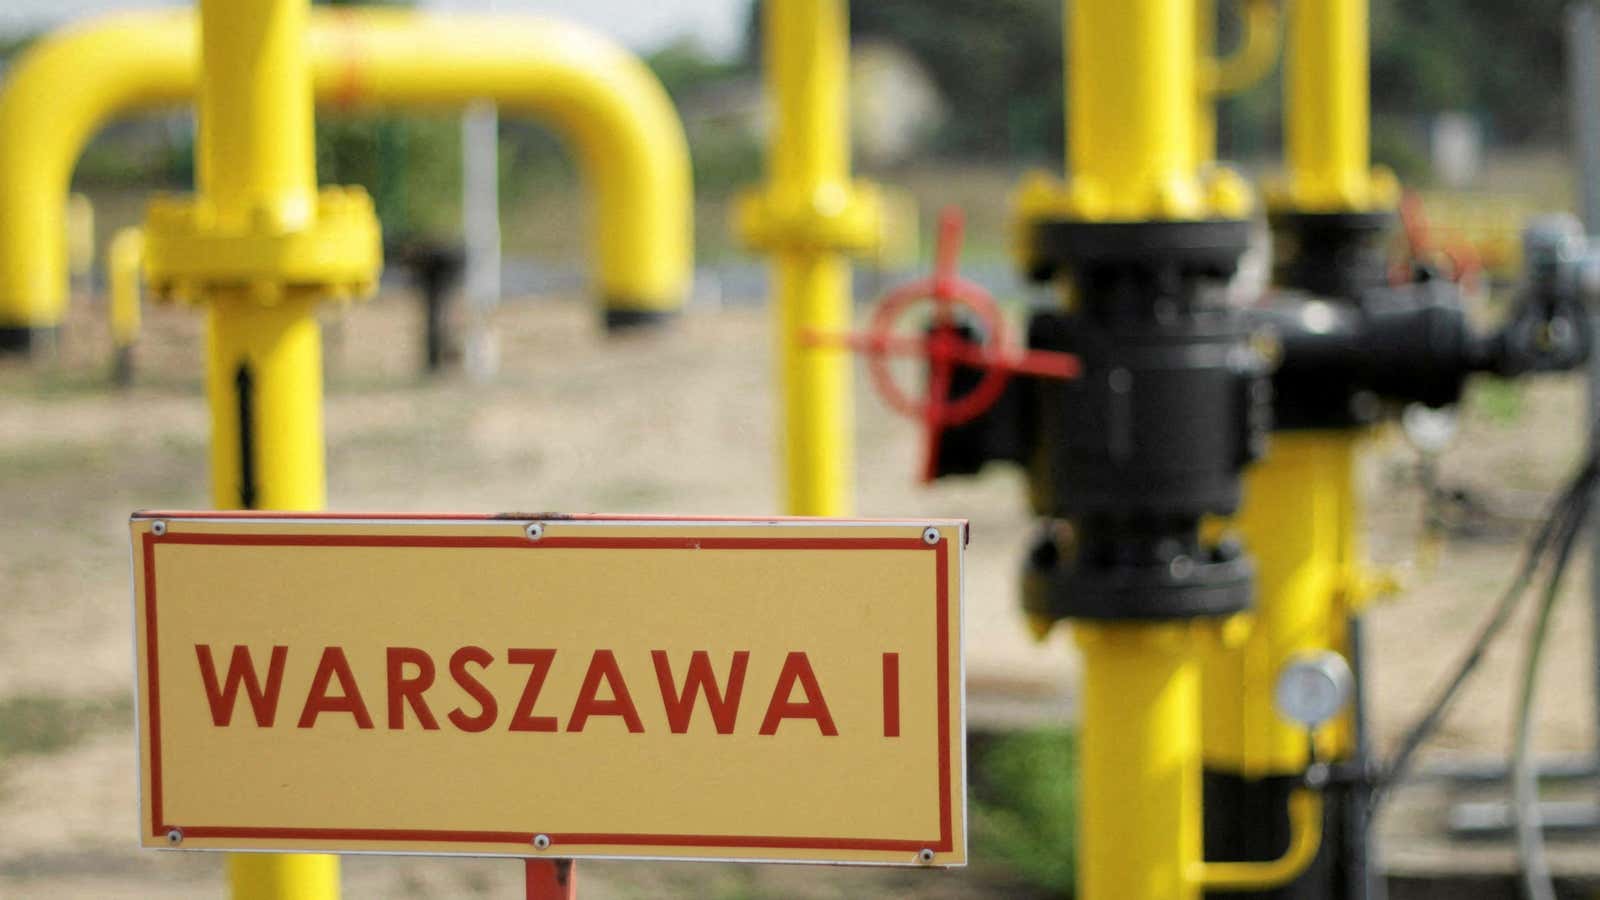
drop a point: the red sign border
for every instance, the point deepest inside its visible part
(939, 549)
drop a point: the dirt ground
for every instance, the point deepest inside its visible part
(679, 422)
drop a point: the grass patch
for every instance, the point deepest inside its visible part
(48, 723)
(1024, 805)
(1499, 400)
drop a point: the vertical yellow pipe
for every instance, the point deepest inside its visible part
(1299, 520)
(125, 265)
(124, 261)
(256, 174)
(1326, 113)
(264, 382)
(1205, 111)
(1131, 88)
(257, 155)
(806, 65)
(1139, 833)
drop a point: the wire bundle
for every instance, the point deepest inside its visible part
(1553, 544)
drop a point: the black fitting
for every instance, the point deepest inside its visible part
(1125, 461)
(24, 340)
(621, 319)
(1133, 574)
(1344, 365)
(1331, 255)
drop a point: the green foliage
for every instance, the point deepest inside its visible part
(683, 66)
(997, 64)
(1500, 400)
(1503, 60)
(1024, 805)
(1398, 145)
(411, 165)
(726, 153)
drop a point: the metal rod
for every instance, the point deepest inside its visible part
(551, 879)
(1583, 81)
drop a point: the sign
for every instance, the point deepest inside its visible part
(571, 687)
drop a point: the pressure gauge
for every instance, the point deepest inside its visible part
(1313, 687)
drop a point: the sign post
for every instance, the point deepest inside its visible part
(552, 687)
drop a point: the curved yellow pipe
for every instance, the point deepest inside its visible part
(1252, 59)
(56, 95)
(618, 119)
(623, 128)
(1305, 838)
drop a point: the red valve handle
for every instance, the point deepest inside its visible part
(945, 347)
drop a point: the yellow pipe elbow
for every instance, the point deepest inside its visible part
(1255, 56)
(1305, 838)
(61, 90)
(618, 118)
(614, 112)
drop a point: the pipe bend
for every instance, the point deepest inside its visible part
(1253, 59)
(613, 111)
(57, 95)
(1305, 839)
(610, 107)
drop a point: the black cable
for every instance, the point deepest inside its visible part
(1525, 814)
(1571, 503)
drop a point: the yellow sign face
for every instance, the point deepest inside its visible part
(786, 690)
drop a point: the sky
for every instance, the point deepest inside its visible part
(642, 24)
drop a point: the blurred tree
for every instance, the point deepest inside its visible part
(1503, 61)
(997, 64)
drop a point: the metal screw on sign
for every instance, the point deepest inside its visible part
(930, 536)
(925, 856)
(158, 528)
(534, 531)
(945, 345)
(175, 836)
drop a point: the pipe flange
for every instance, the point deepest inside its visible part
(190, 252)
(843, 218)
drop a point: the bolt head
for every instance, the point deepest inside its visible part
(534, 531)
(925, 855)
(541, 842)
(175, 837)
(930, 536)
(158, 528)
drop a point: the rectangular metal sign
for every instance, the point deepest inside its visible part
(572, 687)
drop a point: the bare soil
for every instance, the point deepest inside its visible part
(680, 421)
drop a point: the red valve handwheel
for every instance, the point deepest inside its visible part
(945, 347)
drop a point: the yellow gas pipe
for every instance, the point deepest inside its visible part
(1300, 516)
(125, 268)
(1301, 522)
(1327, 113)
(1250, 62)
(260, 247)
(1133, 79)
(614, 113)
(810, 216)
